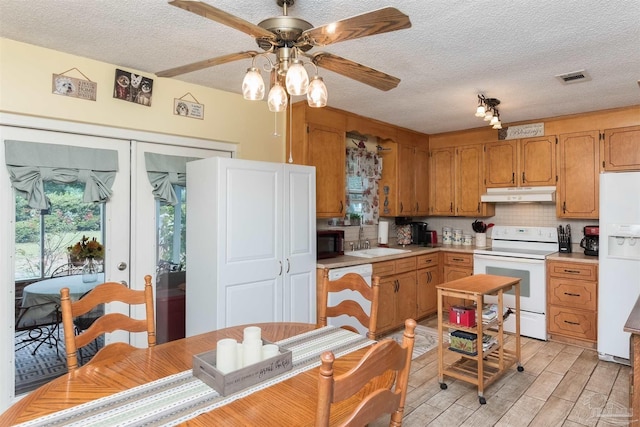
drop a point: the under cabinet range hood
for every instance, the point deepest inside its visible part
(520, 195)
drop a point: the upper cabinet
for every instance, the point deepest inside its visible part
(621, 149)
(521, 163)
(405, 174)
(413, 173)
(318, 137)
(578, 175)
(456, 182)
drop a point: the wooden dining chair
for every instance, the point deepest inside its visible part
(354, 282)
(102, 294)
(363, 382)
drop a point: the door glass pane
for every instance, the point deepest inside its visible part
(42, 268)
(524, 275)
(171, 268)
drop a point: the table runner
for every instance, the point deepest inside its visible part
(180, 397)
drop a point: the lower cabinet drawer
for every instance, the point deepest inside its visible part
(384, 268)
(574, 323)
(573, 293)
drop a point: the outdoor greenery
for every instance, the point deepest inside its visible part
(171, 258)
(42, 237)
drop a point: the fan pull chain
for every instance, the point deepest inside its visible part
(275, 125)
(290, 132)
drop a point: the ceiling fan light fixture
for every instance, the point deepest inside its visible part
(277, 99)
(317, 93)
(253, 85)
(297, 80)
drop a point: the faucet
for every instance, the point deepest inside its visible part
(362, 243)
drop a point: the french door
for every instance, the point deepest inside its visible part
(131, 217)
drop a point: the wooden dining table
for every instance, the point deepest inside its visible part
(291, 402)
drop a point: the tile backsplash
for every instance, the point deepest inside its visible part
(524, 214)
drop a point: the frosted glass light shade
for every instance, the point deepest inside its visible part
(253, 85)
(488, 115)
(277, 99)
(297, 80)
(494, 120)
(317, 93)
(480, 111)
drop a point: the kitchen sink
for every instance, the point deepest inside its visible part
(375, 252)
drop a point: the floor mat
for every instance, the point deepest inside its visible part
(426, 339)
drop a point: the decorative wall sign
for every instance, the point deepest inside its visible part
(182, 107)
(522, 131)
(133, 87)
(73, 87)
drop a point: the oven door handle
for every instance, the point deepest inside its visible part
(507, 259)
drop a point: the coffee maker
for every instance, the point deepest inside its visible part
(590, 241)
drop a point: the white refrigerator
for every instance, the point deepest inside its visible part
(619, 261)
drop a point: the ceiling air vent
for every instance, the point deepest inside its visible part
(574, 77)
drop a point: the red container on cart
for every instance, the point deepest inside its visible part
(464, 316)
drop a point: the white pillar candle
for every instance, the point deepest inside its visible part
(252, 350)
(226, 355)
(252, 333)
(269, 351)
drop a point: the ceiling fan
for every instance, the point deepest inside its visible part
(289, 38)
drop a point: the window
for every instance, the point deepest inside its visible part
(42, 237)
(171, 233)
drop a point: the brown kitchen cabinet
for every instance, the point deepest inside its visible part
(578, 175)
(318, 139)
(521, 163)
(404, 185)
(428, 276)
(397, 299)
(457, 182)
(456, 266)
(621, 149)
(572, 302)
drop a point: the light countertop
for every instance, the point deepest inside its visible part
(347, 261)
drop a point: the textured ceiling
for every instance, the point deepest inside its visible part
(454, 50)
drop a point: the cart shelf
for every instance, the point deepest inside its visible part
(485, 367)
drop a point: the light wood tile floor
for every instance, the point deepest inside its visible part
(562, 385)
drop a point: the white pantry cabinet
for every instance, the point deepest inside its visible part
(251, 243)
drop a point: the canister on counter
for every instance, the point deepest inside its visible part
(457, 236)
(404, 234)
(447, 237)
(467, 240)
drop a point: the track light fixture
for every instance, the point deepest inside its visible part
(289, 66)
(487, 109)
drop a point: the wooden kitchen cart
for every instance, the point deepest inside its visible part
(484, 367)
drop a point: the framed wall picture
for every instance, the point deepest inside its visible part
(182, 107)
(133, 87)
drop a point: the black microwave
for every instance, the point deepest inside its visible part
(330, 243)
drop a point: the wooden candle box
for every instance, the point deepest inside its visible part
(204, 368)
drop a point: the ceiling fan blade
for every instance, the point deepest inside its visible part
(215, 14)
(370, 23)
(184, 69)
(355, 71)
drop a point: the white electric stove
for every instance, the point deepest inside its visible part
(521, 251)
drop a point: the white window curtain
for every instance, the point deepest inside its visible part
(164, 172)
(32, 163)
